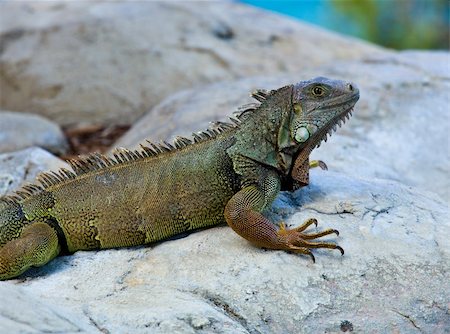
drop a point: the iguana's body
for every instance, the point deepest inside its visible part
(231, 173)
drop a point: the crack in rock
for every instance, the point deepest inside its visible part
(409, 318)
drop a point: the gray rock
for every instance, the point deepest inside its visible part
(22, 130)
(394, 276)
(23, 312)
(109, 62)
(399, 129)
(17, 168)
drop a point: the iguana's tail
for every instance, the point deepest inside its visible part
(23, 243)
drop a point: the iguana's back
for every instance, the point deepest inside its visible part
(145, 200)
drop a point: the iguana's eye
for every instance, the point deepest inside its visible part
(318, 91)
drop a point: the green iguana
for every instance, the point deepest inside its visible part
(231, 172)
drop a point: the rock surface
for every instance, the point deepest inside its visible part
(32, 315)
(399, 129)
(17, 168)
(22, 130)
(109, 62)
(392, 278)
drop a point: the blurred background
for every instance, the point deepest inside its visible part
(397, 24)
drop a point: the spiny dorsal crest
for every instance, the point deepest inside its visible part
(246, 110)
(261, 94)
(97, 161)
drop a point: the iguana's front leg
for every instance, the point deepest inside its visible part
(243, 215)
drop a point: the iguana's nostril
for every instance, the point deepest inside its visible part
(350, 87)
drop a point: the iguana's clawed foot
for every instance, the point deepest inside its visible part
(296, 240)
(318, 163)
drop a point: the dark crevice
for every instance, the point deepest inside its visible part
(225, 308)
(60, 234)
(9, 37)
(96, 325)
(411, 320)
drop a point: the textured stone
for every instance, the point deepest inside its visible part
(22, 130)
(109, 62)
(23, 312)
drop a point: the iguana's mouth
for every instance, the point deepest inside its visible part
(327, 130)
(323, 133)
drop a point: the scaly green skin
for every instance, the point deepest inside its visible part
(230, 174)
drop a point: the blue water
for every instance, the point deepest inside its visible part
(407, 24)
(307, 10)
(319, 12)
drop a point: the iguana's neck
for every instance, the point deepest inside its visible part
(258, 137)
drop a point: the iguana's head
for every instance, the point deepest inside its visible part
(320, 104)
(317, 107)
(291, 121)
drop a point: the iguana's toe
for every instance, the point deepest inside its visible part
(318, 163)
(296, 240)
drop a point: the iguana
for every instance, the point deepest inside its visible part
(231, 172)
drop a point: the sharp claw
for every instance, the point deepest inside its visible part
(323, 165)
(315, 221)
(336, 231)
(312, 257)
(340, 249)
